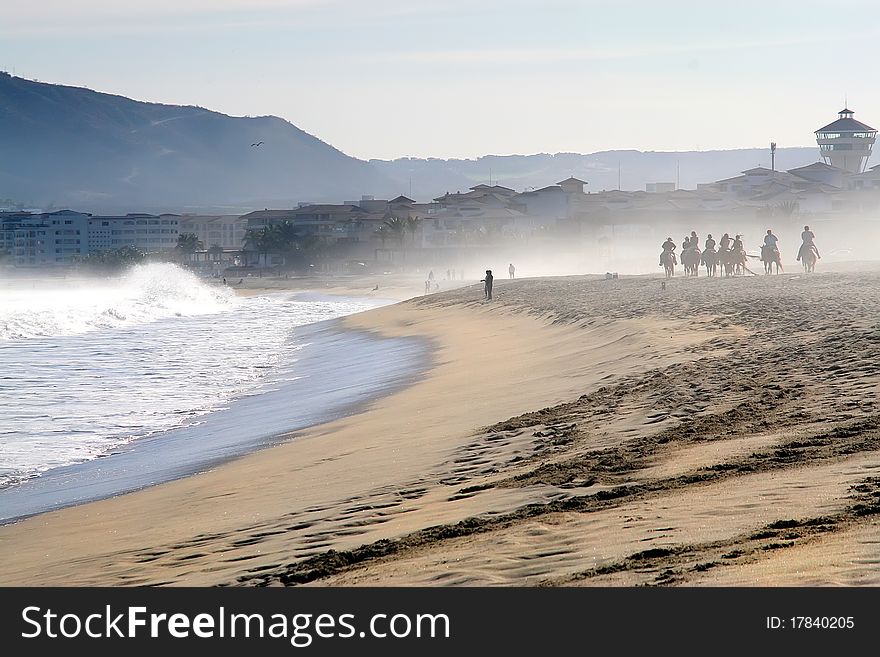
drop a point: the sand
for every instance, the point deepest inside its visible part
(573, 431)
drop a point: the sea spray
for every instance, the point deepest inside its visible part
(145, 293)
(87, 369)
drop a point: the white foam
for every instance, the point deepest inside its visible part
(145, 294)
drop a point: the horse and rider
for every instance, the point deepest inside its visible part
(709, 258)
(808, 254)
(667, 257)
(731, 254)
(691, 255)
(770, 253)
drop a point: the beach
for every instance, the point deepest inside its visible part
(572, 431)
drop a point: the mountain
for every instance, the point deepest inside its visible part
(431, 177)
(71, 147)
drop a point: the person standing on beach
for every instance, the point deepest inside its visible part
(431, 275)
(488, 281)
(511, 270)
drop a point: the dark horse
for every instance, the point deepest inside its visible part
(690, 259)
(770, 256)
(710, 259)
(808, 257)
(668, 260)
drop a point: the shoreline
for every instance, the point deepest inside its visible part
(216, 438)
(489, 364)
(572, 432)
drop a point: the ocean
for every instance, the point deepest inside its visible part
(111, 385)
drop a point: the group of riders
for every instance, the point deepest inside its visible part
(731, 255)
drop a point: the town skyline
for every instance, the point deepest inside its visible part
(449, 80)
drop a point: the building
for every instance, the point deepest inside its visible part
(44, 239)
(149, 233)
(226, 231)
(846, 143)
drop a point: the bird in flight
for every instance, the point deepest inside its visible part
(259, 143)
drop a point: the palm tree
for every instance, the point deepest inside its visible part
(382, 233)
(261, 240)
(412, 225)
(396, 228)
(216, 252)
(188, 243)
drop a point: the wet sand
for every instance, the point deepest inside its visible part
(574, 431)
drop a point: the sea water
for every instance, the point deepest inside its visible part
(156, 374)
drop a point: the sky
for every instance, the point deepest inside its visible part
(460, 78)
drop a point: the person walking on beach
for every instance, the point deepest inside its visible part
(431, 275)
(488, 281)
(511, 270)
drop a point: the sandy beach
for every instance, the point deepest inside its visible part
(572, 431)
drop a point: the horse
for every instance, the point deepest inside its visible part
(808, 257)
(727, 259)
(710, 259)
(667, 259)
(769, 256)
(690, 259)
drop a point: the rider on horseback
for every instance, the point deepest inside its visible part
(724, 245)
(807, 236)
(710, 243)
(668, 248)
(770, 246)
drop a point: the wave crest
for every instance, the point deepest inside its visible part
(144, 294)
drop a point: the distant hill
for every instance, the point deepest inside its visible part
(432, 177)
(72, 147)
(68, 146)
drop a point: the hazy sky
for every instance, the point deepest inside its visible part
(461, 78)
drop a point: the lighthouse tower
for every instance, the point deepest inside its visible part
(846, 143)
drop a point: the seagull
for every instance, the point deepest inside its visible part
(259, 143)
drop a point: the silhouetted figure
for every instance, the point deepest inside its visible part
(224, 281)
(488, 281)
(376, 288)
(807, 238)
(431, 275)
(511, 270)
(427, 286)
(447, 274)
